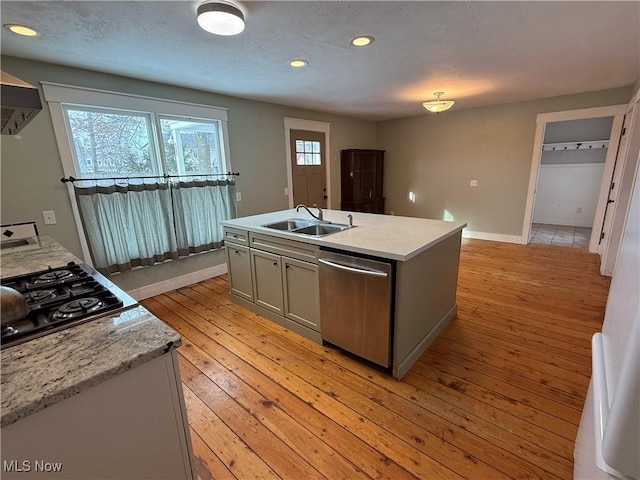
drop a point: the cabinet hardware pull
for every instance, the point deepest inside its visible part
(275, 264)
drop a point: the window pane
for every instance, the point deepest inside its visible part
(308, 146)
(316, 158)
(191, 146)
(299, 158)
(110, 143)
(299, 146)
(316, 147)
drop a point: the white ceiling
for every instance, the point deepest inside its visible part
(479, 53)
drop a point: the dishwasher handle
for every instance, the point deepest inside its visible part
(373, 273)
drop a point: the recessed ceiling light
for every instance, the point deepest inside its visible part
(21, 30)
(362, 41)
(298, 63)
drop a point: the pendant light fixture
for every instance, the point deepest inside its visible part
(220, 18)
(437, 106)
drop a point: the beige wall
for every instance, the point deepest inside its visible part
(436, 156)
(31, 167)
(433, 156)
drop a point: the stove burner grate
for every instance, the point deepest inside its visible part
(76, 308)
(52, 276)
(39, 295)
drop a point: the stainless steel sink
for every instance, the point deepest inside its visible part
(306, 227)
(319, 230)
(289, 225)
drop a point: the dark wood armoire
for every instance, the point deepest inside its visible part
(361, 182)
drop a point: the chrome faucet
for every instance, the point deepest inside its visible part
(317, 217)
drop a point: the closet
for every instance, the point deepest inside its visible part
(569, 180)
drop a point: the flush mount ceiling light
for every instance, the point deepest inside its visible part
(362, 41)
(220, 18)
(298, 63)
(437, 106)
(21, 30)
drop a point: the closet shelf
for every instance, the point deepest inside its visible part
(591, 144)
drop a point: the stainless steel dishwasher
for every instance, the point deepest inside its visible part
(356, 305)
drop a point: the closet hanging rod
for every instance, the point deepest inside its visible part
(134, 177)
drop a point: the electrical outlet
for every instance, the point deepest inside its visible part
(49, 217)
(238, 197)
(286, 191)
(473, 183)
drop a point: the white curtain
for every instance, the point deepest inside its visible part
(199, 207)
(141, 224)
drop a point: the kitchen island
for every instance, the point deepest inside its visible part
(102, 399)
(425, 256)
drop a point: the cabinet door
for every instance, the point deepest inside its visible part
(267, 280)
(368, 174)
(300, 281)
(239, 266)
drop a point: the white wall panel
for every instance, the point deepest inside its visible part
(567, 194)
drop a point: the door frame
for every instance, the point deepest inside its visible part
(625, 177)
(291, 123)
(615, 111)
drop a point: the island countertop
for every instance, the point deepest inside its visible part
(386, 236)
(46, 370)
(47, 253)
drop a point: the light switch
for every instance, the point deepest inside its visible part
(286, 191)
(238, 196)
(49, 217)
(473, 183)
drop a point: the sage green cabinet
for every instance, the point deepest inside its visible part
(300, 282)
(239, 267)
(267, 280)
(276, 278)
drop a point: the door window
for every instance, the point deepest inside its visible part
(308, 152)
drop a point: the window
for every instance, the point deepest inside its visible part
(150, 182)
(308, 152)
(191, 146)
(118, 143)
(110, 143)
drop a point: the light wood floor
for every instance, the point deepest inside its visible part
(498, 394)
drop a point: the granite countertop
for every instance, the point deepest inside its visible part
(386, 236)
(46, 370)
(32, 258)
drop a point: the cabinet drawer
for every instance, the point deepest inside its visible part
(233, 235)
(281, 246)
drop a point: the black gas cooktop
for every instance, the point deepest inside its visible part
(62, 297)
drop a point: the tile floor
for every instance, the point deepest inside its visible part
(560, 235)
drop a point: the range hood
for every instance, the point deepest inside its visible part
(20, 103)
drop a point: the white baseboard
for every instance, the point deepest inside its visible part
(177, 282)
(494, 237)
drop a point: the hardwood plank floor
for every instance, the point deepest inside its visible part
(497, 395)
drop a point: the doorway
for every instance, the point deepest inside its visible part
(569, 179)
(308, 168)
(308, 162)
(547, 120)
